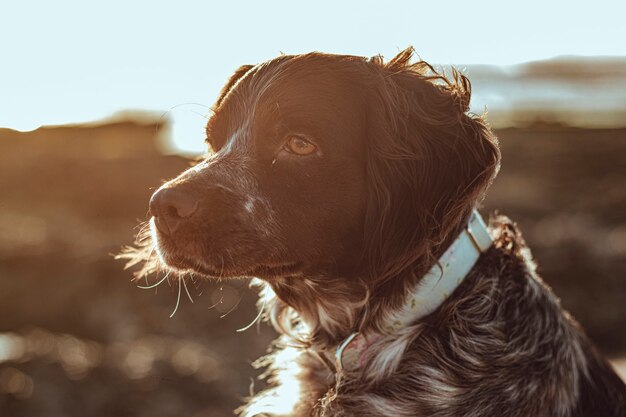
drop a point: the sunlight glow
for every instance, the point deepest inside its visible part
(71, 61)
(282, 399)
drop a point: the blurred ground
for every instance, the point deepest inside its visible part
(77, 338)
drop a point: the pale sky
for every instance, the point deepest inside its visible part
(75, 61)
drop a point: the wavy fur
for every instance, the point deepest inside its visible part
(340, 236)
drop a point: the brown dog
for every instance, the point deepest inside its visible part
(347, 185)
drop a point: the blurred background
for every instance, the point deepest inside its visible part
(102, 101)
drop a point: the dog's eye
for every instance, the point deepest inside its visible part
(299, 146)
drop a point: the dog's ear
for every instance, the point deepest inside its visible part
(429, 163)
(237, 75)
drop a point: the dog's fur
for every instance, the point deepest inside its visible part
(339, 235)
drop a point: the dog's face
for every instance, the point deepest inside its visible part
(325, 165)
(284, 192)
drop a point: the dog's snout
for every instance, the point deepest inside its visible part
(170, 207)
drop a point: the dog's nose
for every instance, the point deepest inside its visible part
(170, 207)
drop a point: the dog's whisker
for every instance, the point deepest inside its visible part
(142, 226)
(232, 308)
(154, 285)
(222, 268)
(151, 254)
(186, 289)
(197, 284)
(200, 114)
(166, 112)
(256, 319)
(148, 259)
(217, 303)
(177, 298)
(221, 300)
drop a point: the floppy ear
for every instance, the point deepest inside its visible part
(239, 73)
(428, 164)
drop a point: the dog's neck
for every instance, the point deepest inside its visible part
(322, 312)
(429, 293)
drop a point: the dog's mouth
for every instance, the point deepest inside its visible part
(260, 271)
(184, 262)
(266, 271)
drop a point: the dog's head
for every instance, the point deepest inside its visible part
(327, 165)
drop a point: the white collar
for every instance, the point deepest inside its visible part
(431, 291)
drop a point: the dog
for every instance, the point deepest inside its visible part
(348, 188)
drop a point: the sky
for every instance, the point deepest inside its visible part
(77, 61)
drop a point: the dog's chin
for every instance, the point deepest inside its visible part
(216, 272)
(183, 263)
(264, 271)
